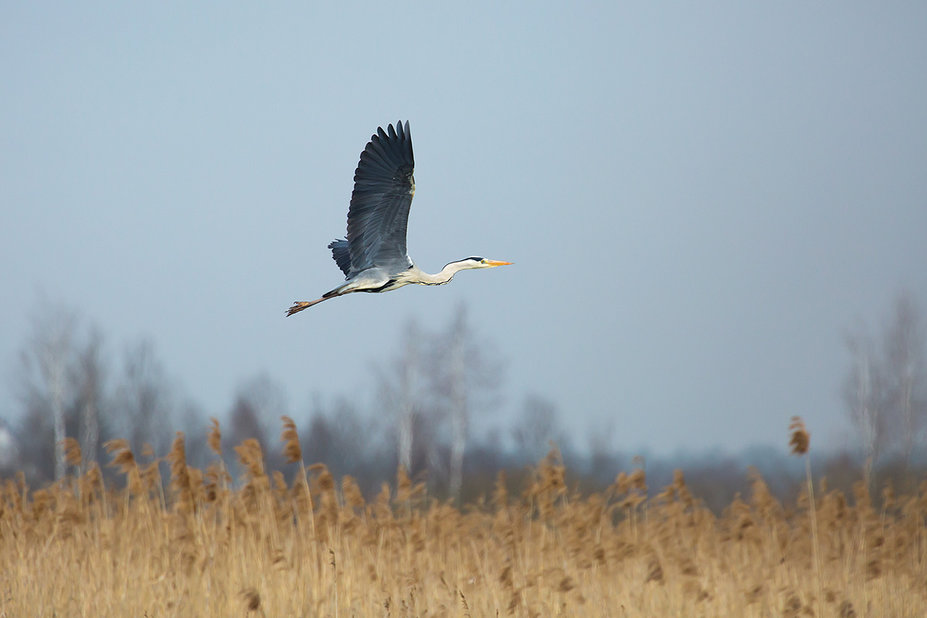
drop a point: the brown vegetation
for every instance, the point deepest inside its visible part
(203, 546)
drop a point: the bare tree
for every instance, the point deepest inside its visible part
(268, 397)
(144, 398)
(192, 421)
(245, 422)
(464, 374)
(9, 450)
(340, 438)
(46, 361)
(904, 372)
(602, 455)
(886, 393)
(318, 439)
(457, 399)
(536, 428)
(863, 394)
(89, 385)
(259, 404)
(401, 388)
(433, 385)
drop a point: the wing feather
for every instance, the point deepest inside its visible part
(379, 213)
(341, 255)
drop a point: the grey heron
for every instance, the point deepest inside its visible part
(373, 255)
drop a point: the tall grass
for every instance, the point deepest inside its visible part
(208, 546)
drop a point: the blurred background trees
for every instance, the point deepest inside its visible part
(885, 389)
(60, 382)
(144, 399)
(431, 410)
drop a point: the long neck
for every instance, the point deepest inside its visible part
(447, 273)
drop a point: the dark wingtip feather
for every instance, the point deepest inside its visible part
(392, 131)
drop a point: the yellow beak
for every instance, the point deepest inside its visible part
(497, 263)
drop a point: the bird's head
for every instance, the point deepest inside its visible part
(480, 262)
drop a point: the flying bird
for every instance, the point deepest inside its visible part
(373, 255)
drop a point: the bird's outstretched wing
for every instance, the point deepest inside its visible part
(379, 213)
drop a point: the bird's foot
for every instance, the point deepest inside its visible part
(297, 307)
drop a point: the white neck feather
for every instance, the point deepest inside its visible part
(447, 273)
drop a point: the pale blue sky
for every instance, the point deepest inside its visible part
(699, 197)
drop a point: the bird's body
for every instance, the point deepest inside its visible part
(373, 256)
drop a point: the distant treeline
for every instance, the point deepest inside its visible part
(431, 410)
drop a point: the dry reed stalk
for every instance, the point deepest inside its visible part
(214, 437)
(251, 457)
(180, 484)
(92, 489)
(124, 460)
(256, 502)
(334, 566)
(293, 453)
(217, 475)
(800, 441)
(72, 452)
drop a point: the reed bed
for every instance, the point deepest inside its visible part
(199, 544)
